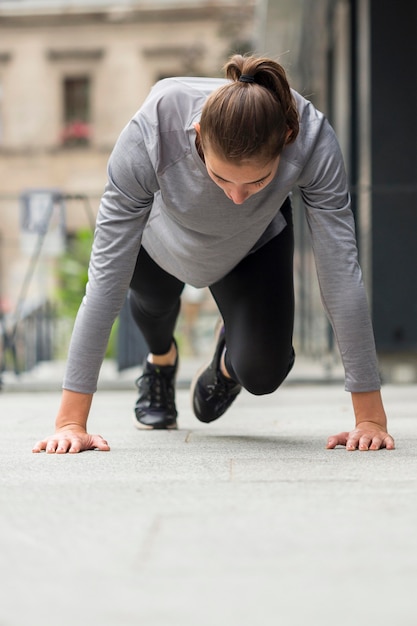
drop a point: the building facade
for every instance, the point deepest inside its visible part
(72, 73)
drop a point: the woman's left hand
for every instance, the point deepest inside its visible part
(366, 436)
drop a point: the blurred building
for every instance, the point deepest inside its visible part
(357, 61)
(72, 73)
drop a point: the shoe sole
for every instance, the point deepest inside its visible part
(217, 331)
(141, 426)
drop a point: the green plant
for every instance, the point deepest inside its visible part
(72, 277)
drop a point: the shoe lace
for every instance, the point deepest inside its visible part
(220, 390)
(159, 390)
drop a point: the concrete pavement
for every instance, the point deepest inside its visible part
(247, 521)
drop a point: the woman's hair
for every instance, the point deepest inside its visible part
(253, 116)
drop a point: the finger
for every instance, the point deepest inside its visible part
(352, 442)
(389, 443)
(63, 446)
(94, 442)
(80, 445)
(51, 446)
(76, 445)
(365, 441)
(337, 440)
(101, 444)
(332, 442)
(39, 446)
(379, 442)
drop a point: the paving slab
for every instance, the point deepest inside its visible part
(246, 521)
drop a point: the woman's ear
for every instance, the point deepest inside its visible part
(197, 128)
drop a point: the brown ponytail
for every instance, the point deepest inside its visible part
(253, 116)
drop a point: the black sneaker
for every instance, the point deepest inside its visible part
(212, 393)
(155, 407)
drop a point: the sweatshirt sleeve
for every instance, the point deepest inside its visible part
(330, 220)
(122, 216)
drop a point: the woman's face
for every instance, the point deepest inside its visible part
(240, 181)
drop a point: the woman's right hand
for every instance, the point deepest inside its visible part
(71, 427)
(71, 440)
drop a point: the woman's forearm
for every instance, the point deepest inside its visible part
(74, 410)
(368, 407)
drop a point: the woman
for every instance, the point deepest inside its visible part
(198, 192)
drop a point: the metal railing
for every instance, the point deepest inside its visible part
(30, 336)
(28, 341)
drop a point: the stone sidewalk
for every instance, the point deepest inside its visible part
(247, 521)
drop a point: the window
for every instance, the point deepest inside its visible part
(76, 97)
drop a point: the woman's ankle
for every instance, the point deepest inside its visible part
(169, 358)
(223, 366)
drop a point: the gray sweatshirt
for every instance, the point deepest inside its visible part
(159, 195)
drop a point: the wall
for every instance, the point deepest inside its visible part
(124, 53)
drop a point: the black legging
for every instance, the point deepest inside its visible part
(255, 300)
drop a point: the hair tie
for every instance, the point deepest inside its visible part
(246, 78)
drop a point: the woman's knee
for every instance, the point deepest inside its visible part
(264, 378)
